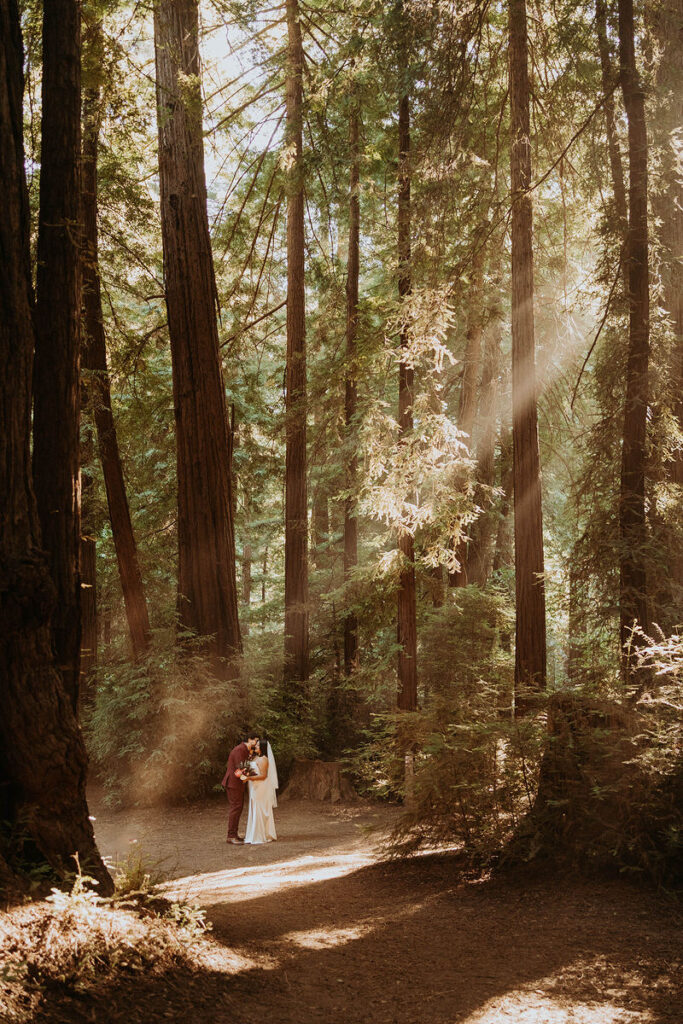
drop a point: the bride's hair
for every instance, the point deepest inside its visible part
(263, 746)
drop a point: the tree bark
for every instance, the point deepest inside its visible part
(296, 500)
(207, 586)
(608, 82)
(95, 361)
(530, 648)
(406, 619)
(42, 755)
(633, 533)
(351, 387)
(246, 583)
(669, 30)
(56, 390)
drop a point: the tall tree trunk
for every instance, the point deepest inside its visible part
(480, 550)
(608, 81)
(42, 756)
(351, 389)
(669, 30)
(296, 501)
(320, 507)
(530, 648)
(88, 612)
(467, 410)
(503, 554)
(56, 392)
(246, 584)
(406, 620)
(95, 360)
(633, 589)
(207, 585)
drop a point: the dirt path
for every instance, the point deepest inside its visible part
(320, 928)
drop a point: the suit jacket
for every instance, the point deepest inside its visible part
(237, 755)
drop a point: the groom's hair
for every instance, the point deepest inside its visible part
(251, 734)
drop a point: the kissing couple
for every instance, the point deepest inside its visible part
(251, 763)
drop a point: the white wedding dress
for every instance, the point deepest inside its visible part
(262, 800)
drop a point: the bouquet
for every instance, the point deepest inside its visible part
(246, 769)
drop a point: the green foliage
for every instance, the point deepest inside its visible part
(160, 731)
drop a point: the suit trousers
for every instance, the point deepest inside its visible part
(235, 805)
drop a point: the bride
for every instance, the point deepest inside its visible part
(262, 798)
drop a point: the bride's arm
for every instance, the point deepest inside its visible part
(263, 767)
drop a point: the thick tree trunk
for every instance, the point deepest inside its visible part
(351, 389)
(406, 620)
(608, 82)
(56, 394)
(296, 501)
(207, 586)
(530, 647)
(481, 546)
(95, 360)
(633, 588)
(42, 756)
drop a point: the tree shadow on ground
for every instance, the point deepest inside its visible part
(410, 942)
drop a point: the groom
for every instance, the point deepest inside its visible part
(234, 787)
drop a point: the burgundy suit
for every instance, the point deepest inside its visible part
(234, 787)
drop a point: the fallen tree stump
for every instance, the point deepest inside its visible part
(319, 780)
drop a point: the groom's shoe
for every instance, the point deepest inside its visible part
(235, 841)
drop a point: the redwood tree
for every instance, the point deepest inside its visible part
(633, 533)
(351, 390)
(207, 587)
(56, 391)
(296, 501)
(530, 648)
(42, 756)
(406, 619)
(95, 360)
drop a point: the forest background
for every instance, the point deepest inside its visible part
(449, 452)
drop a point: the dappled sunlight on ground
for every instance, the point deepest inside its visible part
(319, 925)
(237, 884)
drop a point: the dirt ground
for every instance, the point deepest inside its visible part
(319, 927)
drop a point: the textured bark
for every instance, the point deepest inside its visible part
(296, 509)
(633, 534)
(42, 756)
(350, 386)
(94, 359)
(530, 648)
(207, 586)
(481, 546)
(56, 392)
(608, 82)
(406, 619)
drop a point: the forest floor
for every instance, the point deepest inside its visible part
(320, 926)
